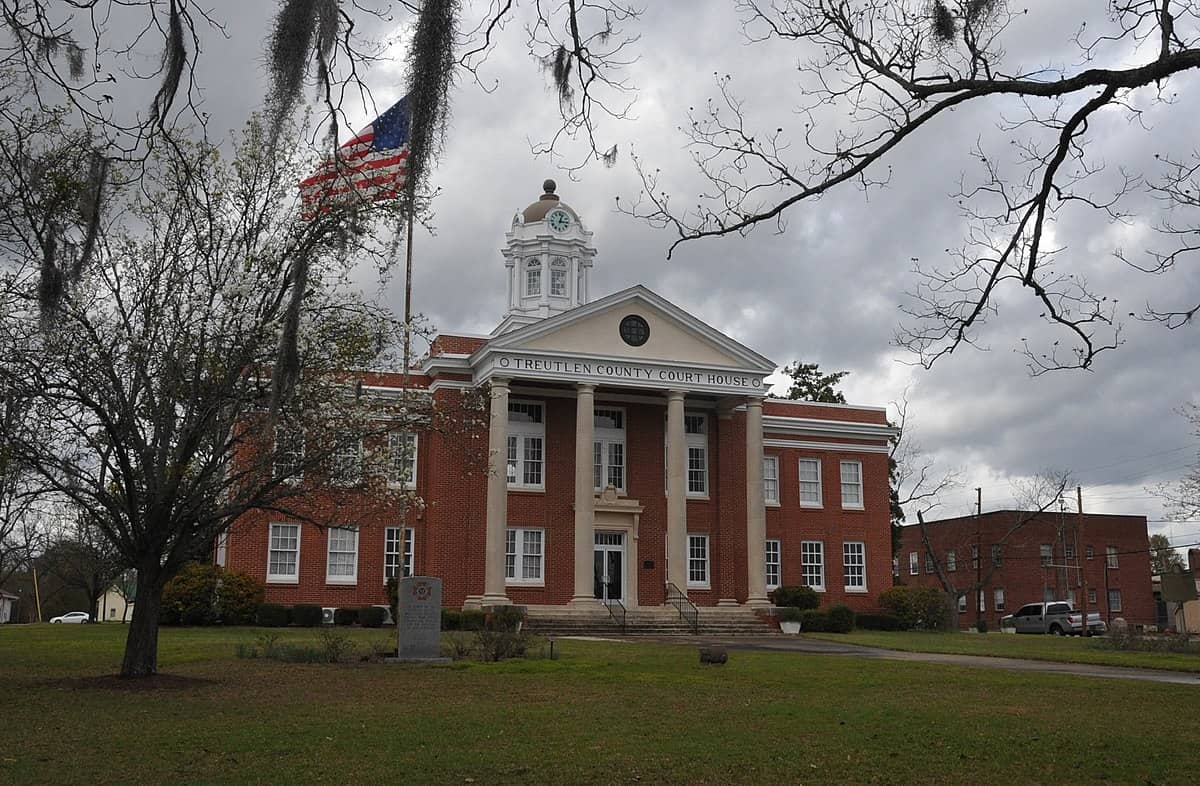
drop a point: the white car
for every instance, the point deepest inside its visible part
(78, 617)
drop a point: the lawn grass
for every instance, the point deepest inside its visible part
(1061, 649)
(604, 712)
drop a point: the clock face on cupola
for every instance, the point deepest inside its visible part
(559, 220)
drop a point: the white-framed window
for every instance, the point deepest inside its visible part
(283, 553)
(913, 563)
(982, 602)
(402, 459)
(397, 562)
(533, 277)
(1047, 554)
(526, 438)
(1069, 551)
(771, 480)
(608, 448)
(1089, 552)
(895, 567)
(558, 277)
(998, 600)
(289, 453)
(975, 558)
(524, 556)
(962, 604)
(852, 486)
(854, 564)
(222, 548)
(928, 562)
(1070, 597)
(810, 483)
(1110, 556)
(1092, 596)
(1114, 600)
(342, 564)
(774, 565)
(997, 555)
(345, 464)
(695, 431)
(951, 562)
(812, 564)
(698, 561)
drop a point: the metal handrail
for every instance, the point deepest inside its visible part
(690, 614)
(612, 612)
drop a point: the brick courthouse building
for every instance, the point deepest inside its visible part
(633, 448)
(1039, 561)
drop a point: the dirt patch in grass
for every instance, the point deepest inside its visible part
(157, 682)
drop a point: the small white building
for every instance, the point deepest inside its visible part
(7, 602)
(113, 607)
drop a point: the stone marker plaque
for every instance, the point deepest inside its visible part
(419, 622)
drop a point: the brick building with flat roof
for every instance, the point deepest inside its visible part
(633, 453)
(1044, 558)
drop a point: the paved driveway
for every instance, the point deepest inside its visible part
(821, 647)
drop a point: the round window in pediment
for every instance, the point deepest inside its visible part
(634, 330)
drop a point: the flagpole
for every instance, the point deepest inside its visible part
(405, 430)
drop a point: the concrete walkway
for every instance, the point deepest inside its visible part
(821, 647)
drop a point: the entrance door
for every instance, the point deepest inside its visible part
(609, 566)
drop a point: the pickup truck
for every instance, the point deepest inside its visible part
(1057, 617)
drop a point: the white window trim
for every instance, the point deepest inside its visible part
(1120, 601)
(962, 604)
(532, 265)
(606, 437)
(284, 578)
(223, 549)
(951, 561)
(820, 503)
(998, 603)
(845, 576)
(298, 476)
(914, 563)
(392, 480)
(406, 552)
(330, 579)
(523, 431)
(352, 478)
(803, 574)
(519, 554)
(778, 562)
(696, 441)
(773, 461)
(707, 583)
(842, 477)
(1111, 558)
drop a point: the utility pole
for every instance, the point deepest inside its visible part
(1083, 592)
(978, 559)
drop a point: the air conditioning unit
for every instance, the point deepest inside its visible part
(327, 615)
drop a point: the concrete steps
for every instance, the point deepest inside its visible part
(657, 621)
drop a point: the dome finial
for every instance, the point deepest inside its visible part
(548, 187)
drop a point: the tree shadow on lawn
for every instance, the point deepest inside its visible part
(115, 682)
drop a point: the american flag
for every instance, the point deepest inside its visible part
(371, 166)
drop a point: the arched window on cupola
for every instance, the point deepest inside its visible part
(558, 277)
(533, 277)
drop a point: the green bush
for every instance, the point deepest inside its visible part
(371, 616)
(344, 616)
(917, 608)
(505, 618)
(814, 621)
(392, 589)
(451, 619)
(796, 597)
(877, 622)
(190, 597)
(306, 615)
(841, 619)
(473, 619)
(238, 597)
(981, 625)
(272, 615)
(790, 614)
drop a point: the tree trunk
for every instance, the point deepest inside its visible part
(141, 645)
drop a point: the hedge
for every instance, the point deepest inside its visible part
(814, 621)
(796, 597)
(272, 615)
(372, 616)
(306, 615)
(451, 619)
(877, 622)
(841, 619)
(344, 616)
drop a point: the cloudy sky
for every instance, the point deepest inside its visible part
(828, 289)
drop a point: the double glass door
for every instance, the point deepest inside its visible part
(609, 567)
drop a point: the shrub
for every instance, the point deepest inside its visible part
(190, 597)
(917, 608)
(981, 625)
(505, 618)
(392, 588)
(473, 619)
(371, 616)
(272, 615)
(498, 645)
(306, 615)
(841, 619)
(336, 646)
(814, 621)
(796, 597)
(451, 619)
(877, 622)
(458, 645)
(790, 614)
(344, 616)
(238, 597)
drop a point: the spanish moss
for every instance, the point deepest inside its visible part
(944, 25)
(302, 29)
(431, 73)
(173, 61)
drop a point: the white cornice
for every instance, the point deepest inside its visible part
(831, 446)
(812, 427)
(830, 404)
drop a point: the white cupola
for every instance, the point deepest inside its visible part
(548, 255)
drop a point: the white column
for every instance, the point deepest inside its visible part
(676, 493)
(585, 500)
(497, 496)
(756, 512)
